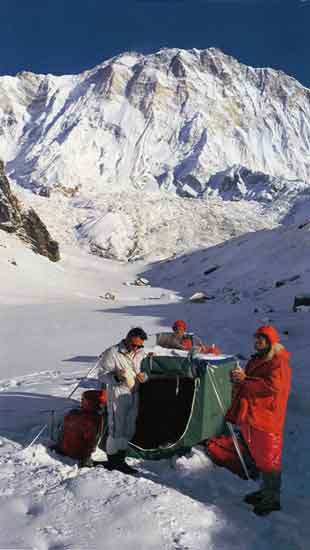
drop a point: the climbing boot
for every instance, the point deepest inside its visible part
(117, 462)
(270, 500)
(113, 461)
(269, 503)
(123, 466)
(86, 462)
(254, 498)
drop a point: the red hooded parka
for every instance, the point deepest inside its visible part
(259, 405)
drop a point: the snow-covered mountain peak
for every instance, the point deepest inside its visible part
(123, 122)
(177, 122)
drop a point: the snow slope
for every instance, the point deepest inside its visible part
(51, 332)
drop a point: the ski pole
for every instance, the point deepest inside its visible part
(36, 437)
(69, 396)
(84, 378)
(229, 425)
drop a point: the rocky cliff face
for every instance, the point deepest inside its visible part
(25, 223)
(168, 120)
(10, 215)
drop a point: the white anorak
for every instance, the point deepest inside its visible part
(122, 395)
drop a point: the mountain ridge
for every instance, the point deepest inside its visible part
(144, 128)
(181, 107)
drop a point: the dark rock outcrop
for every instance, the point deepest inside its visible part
(9, 205)
(177, 67)
(25, 223)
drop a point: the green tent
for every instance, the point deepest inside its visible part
(179, 405)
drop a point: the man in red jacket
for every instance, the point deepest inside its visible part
(259, 407)
(185, 341)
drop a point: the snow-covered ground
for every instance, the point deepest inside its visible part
(142, 195)
(53, 324)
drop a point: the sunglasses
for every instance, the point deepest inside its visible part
(137, 346)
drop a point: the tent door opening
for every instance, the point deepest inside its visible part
(164, 411)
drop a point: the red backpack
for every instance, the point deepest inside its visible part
(83, 427)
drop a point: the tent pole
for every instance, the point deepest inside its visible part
(230, 427)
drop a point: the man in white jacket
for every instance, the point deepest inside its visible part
(119, 370)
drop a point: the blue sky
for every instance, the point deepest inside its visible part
(68, 36)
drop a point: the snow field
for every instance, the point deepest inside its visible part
(51, 332)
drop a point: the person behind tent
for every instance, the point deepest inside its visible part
(259, 408)
(119, 371)
(185, 340)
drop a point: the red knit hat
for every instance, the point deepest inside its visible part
(270, 332)
(179, 323)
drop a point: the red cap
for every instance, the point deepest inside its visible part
(179, 324)
(270, 332)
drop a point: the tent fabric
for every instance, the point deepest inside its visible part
(178, 405)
